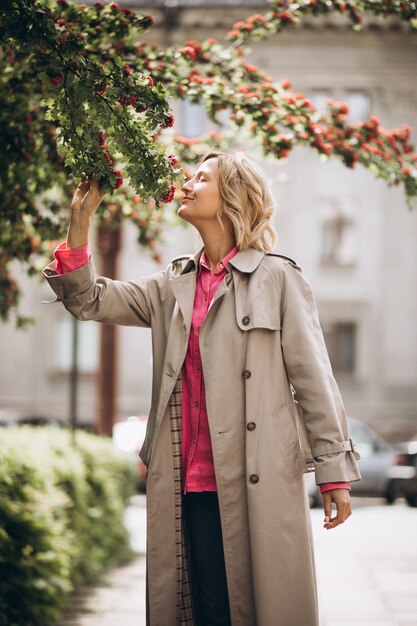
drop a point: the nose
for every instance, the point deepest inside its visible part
(186, 187)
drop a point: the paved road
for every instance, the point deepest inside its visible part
(366, 570)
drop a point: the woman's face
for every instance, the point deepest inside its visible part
(201, 201)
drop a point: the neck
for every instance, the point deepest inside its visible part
(217, 245)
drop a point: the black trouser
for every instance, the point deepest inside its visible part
(207, 558)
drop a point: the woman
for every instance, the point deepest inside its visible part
(235, 336)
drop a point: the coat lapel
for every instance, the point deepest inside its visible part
(183, 287)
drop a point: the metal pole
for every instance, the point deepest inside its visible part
(74, 379)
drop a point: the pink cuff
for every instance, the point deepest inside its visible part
(70, 259)
(339, 485)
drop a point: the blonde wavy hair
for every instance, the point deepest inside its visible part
(245, 200)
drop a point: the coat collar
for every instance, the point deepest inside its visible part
(245, 261)
(192, 262)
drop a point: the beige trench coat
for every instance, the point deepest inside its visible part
(260, 342)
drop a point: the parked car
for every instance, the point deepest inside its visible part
(404, 471)
(8, 419)
(11, 418)
(376, 463)
(128, 437)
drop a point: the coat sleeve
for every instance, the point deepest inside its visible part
(310, 373)
(89, 297)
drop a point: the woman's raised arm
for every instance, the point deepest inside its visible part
(89, 297)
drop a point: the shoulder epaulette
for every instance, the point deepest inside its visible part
(287, 258)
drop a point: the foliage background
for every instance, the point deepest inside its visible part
(61, 518)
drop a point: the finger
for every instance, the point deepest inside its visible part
(348, 511)
(101, 194)
(335, 521)
(343, 504)
(94, 184)
(84, 185)
(343, 512)
(327, 502)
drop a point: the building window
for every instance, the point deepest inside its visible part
(193, 119)
(359, 106)
(359, 102)
(319, 99)
(338, 232)
(340, 342)
(88, 346)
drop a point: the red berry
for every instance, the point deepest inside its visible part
(150, 81)
(119, 179)
(168, 120)
(100, 89)
(55, 80)
(172, 159)
(168, 195)
(189, 52)
(127, 70)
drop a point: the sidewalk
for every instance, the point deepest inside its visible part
(118, 598)
(367, 568)
(366, 571)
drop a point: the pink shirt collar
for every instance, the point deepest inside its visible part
(223, 264)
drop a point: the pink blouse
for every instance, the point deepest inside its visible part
(197, 459)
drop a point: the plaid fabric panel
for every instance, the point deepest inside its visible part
(185, 609)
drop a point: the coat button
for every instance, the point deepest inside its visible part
(251, 426)
(253, 478)
(245, 320)
(246, 374)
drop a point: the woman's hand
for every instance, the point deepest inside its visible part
(87, 197)
(341, 498)
(85, 202)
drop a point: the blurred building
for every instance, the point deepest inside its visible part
(353, 236)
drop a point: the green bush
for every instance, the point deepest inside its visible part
(61, 518)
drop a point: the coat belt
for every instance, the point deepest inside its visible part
(334, 448)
